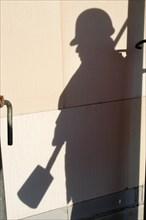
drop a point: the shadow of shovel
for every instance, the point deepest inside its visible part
(35, 187)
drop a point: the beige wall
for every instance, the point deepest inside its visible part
(103, 145)
(37, 59)
(31, 54)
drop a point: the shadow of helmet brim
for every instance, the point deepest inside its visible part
(74, 42)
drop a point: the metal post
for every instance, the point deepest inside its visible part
(3, 215)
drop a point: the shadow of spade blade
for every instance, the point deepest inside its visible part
(35, 187)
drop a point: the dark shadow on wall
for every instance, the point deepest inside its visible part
(96, 130)
(95, 119)
(93, 132)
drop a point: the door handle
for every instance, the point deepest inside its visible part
(8, 104)
(138, 45)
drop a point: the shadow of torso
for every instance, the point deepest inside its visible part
(91, 131)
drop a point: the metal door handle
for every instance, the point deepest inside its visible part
(8, 104)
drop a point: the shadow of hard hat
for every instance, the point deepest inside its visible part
(92, 24)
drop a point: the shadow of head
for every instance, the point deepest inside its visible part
(93, 28)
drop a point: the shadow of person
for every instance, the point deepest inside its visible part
(90, 121)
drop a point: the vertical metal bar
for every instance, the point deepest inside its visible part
(3, 215)
(9, 121)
